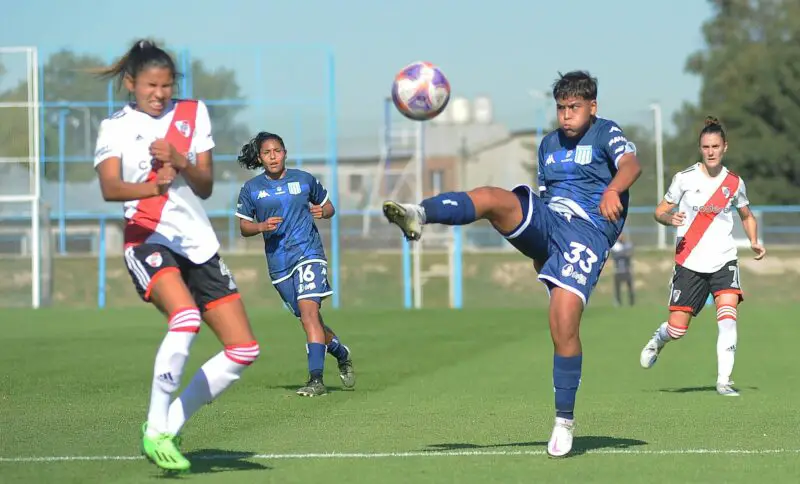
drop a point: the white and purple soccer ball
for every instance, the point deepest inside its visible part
(420, 91)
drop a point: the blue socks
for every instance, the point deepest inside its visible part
(337, 349)
(451, 208)
(566, 379)
(316, 359)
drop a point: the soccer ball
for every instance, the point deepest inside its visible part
(420, 91)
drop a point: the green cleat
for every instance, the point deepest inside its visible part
(314, 388)
(406, 216)
(162, 451)
(346, 372)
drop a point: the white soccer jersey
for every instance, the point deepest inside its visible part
(705, 240)
(182, 223)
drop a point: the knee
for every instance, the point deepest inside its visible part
(243, 354)
(676, 330)
(309, 314)
(726, 312)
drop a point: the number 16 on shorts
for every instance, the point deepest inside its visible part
(308, 280)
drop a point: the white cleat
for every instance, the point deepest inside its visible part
(560, 443)
(407, 216)
(727, 390)
(650, 353)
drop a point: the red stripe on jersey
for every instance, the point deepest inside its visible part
(703, 220)
(148, 211)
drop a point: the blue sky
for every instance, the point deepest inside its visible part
(501, 49)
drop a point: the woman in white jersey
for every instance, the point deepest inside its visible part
(154, 155)
(705, 257)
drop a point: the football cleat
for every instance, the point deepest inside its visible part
(406, 216)
(560, 443)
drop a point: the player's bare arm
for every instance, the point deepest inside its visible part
(322, 211)
(628, 171)
(114, 189)
(750, 226)
(199, 176)
(249, 229)
(665, 214)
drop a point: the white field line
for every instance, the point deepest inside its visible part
(395, 455)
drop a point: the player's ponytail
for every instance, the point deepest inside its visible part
(249, 155)
(713, 126)
(144, 54)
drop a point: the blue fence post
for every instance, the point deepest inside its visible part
(333, 165)
(232, 222)
(62, 196)
(42, 125)
(407, 282)
(101, 265)
(456, 274)
(298, 135)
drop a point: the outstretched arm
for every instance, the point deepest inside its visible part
(665, 216)
(325, 210)
(250, 228)
(628, 171)
(750, 225)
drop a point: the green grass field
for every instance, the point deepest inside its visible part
(442, 396)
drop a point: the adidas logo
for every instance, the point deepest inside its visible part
(139, 137)
(732, 348)
(167, 377)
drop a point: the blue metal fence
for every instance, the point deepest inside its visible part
(277, 106)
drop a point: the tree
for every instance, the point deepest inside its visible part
(68, 78)
(750, 71)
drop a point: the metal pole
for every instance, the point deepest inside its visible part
(333, 165)
(101, 265)
(62, 196)
(659, 135)
(418, 195)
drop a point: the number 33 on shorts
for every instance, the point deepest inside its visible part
(576, 266)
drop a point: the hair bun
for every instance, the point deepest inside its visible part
(712, 121)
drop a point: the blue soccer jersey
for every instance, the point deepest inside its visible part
(296, 239)
(574, 173)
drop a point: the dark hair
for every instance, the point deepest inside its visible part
(578, 84)
(144, 54)
(713, 126)
(250, 157)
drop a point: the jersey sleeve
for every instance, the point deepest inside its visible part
(106, 145)
(674, 192)
(245, 209)
(740, 199)
(614, 143)
(318, 195)
(203, 138)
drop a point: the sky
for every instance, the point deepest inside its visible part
(503, 49)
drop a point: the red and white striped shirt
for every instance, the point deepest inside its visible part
(705, 240)
(176, 220)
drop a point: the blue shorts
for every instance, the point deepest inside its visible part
(572, 249)
(307, 280)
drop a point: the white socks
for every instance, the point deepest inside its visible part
(170, 359)
(726, 343)
(213, 378)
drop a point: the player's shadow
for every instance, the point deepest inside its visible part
(706, 388)
(211, 461)
(580, 445)
(293, 388)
